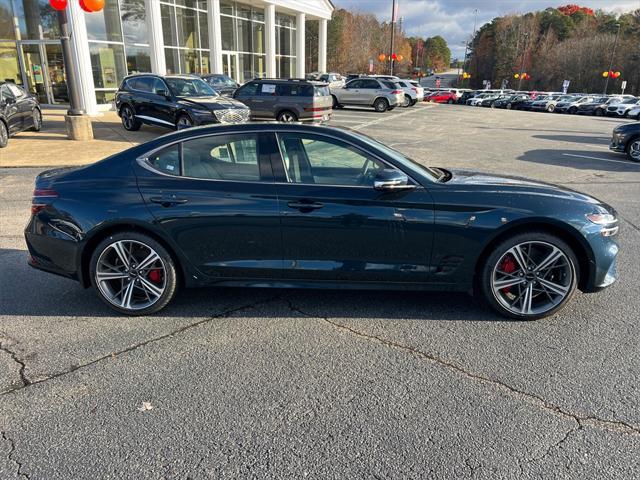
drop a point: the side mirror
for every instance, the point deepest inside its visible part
(390, 179)
(163, 93)
(9, 100)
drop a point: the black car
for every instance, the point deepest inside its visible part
(221, 83)
(491, 99)
(511, 101)
(626, 139)
(294, 205)
(597, 106)
(174, 101)
(462, 99)
(19, 111)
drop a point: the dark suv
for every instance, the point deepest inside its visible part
(289, 100)
(174, 101)
(221, 83)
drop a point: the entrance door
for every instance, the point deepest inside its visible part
(57, 79)
(35, 70)
(230, 65)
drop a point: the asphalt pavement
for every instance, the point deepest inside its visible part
(241, 383)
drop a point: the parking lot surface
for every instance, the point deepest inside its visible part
(240, 383)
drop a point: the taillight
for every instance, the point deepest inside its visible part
(315, 109)
(41, 198)
(414, 89)
(396, 91)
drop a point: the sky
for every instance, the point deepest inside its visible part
(454, 19)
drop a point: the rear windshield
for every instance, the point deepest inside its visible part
(321, 91)
(390, 85)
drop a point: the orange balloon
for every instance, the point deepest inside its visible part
(400, 58)
(381, 57)
(617, 74)
(94, 5)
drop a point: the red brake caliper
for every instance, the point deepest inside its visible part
(508, 265)
(155, 276)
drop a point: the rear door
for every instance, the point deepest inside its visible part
(215, 197)
(265, 100)
(369, 91)
(336, 226)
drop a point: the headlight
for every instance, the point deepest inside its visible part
(607, 220)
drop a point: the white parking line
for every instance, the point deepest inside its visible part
(601, 159)
(385, 117)
(340, 120)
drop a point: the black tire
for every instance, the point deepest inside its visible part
(169, 276)
(551, 108)
(4, 134)
(36, 117)
(183, 122)
(381, 105)
(407, 101)
(573, 110)
(599, 112)
(287, 116)
(413, 102)
(509, 106)
(633, 146)
(450, 101)
(336, 105)
(129, 120)
(487, 270)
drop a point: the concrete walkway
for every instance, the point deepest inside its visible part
(50, 146)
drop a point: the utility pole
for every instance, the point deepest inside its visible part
(524, 56)
(613, 52)
(394, 12)
(473, 36)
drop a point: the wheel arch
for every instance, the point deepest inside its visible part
(99, 235)
(580, 247)
(286, 109)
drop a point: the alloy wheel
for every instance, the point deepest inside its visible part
(634, 150)
(4, 135)
(130, 275)
(532, 278)
(127, 118)
(184, 122)
(407, 101)
(37, 119)
(287, 117)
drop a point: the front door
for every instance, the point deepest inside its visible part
(55, 71)
(336, 226)
(215, 198)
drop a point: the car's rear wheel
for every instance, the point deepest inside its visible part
(184, 121)
(36, 119)
(530, 275)
(129, 120)
(450, 101)
(336, 104)
(573, 110)
(287, 116)
(551, 108)
(4, 135)
(599, 112)
(407, 101)
(381, 105)
(133, 274)
(633, 149)
(509, 106)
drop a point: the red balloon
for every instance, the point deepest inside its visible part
(84, 6)
(58, 4)
(93, 5)
(394, 56)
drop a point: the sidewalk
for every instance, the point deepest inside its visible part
(50, 147)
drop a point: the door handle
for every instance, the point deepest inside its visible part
(168, 201)
(305, 206)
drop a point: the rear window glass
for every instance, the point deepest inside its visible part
(294, 90)
(167, 160)
(391, 85)
(321, 91)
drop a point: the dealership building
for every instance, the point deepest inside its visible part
(243, 39)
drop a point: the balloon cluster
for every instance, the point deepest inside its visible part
(382, 57)
(611, 74)
(465, 75)
(86, 5)
(523, 76)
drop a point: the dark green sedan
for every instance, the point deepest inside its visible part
(291, 205)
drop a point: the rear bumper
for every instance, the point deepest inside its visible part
(53, 255)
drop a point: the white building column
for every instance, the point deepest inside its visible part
(300, 37)
(215, 35)
(270, 39)
(322, 45)
(156, 40)
(81, 61)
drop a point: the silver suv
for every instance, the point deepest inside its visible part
(382, 95)
(289, 100)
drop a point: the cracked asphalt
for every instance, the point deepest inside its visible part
(239, 383)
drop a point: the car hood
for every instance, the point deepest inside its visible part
(212, 103)
(502, 183)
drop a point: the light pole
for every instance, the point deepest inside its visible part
(524, 56)
(393, 34)
(613, 52)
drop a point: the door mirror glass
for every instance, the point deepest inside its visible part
(163, 93)
(390, 179)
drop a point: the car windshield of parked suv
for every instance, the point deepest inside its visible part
(189, 87)
(221, 81)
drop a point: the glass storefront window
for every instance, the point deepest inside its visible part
(188, 32)
(191, 61)
(258, 37)
(228, 33)
(169, 34)
(244, 35)
(134, 21)
(204, 30)
(226, 7)
(285, 41)
(105, 24)
(103, 97)
(9, 66)
(36, 20)
(172, 60)
(138, 60)
(108, 65)
(6, 21)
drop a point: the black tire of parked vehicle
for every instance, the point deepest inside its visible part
(573, 110)
(183, 121)
(450, 101)
(407, 101)
(129, 120)
(499, 251)
(169, 271)
(633, 149)
(509, 106)
(336, 105)
(551, 108)
(36, 118)
(413, 102)
(381, 105)
(599, 112)
(4, 135)
(287, 116)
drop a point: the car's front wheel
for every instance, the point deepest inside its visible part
(129, 120)
(551, 108)
(4, 135)
(133, 273)
(36, 119)
(633, 149)
(184, 121)
(381, 105)
(530, 275)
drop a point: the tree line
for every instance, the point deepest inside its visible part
(356, 38)
(567, 43)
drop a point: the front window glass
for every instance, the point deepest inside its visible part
(189, 87)
(222, 158)
(326, 161)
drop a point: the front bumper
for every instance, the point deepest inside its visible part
(604, 268)
(618, 142)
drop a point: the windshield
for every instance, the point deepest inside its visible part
(221, 81)
(566, 98)
(412, 166)
(189, 87)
